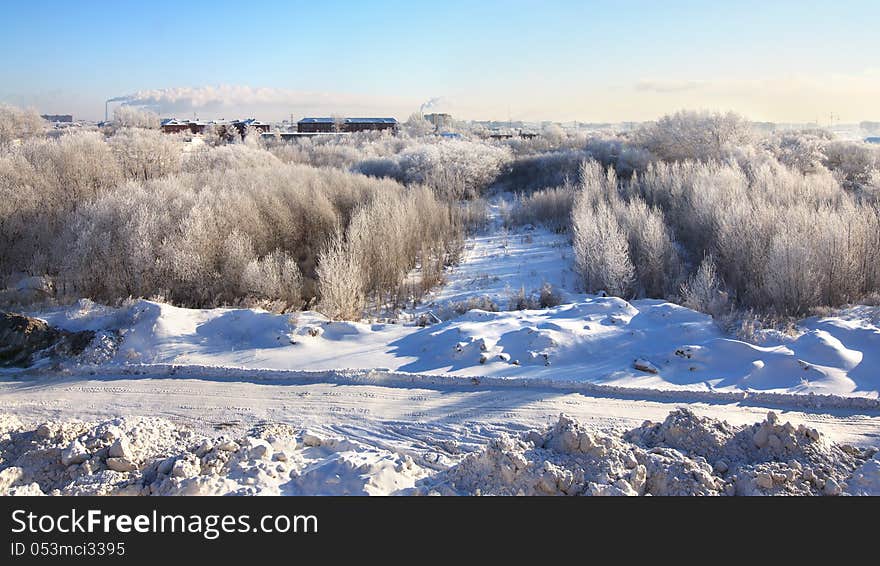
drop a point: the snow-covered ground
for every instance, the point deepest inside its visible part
(684, 454)
(406, 402)
(602, 340)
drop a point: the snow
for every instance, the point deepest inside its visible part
(569, 458)
(599, 340)
(684, 455)
(169, 460)
(243, 401)
(866, 479)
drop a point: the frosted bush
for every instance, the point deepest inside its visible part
(274, 276)
(342, 287)
(549, 207)
(600, 248)
(19, 124)
(704, 291)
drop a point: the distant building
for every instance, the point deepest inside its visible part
(294, 136)
(243, 125)
(347, 125)
(239, 127)
(317, 125)
(65, 118)
(440, 121)
(499, 135)
(175, 126)
(366, 124)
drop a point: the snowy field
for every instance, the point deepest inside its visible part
(302, 405)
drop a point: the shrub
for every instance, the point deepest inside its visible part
(704, 290)
(550, 208)
(342, 286)
(549, 297)
(600, 248)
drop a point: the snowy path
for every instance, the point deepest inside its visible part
(499, 262)
(404, 418)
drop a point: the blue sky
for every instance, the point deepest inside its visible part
(558, 60)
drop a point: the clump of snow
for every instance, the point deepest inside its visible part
(102, 348)
(152, 456)
(866, 479)
(566, 460)
(767, 457)
(684, 455)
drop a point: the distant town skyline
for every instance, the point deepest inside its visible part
(590, 61)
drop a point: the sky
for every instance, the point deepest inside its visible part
(592, 61)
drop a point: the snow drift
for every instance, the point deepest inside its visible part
(645, 344)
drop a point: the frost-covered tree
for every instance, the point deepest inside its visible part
(338, 122)
(651, 247)
(600, 249)
(454, 169)
(252, 137)
(854, 163)
(127, 116)
(695, 135)
(274, 276)
(229, 133)
(704, 290)
(342, 288)
(416, 126)
(803, 151)
(554, 134)
(19, 124)
(146, 154)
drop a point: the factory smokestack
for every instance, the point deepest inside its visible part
(122, 99)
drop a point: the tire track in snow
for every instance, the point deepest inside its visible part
(411, 418)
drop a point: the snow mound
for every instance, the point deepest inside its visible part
(643, 344)
(866, 479)
(152, 456)
(684, 455)
(566, 460)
